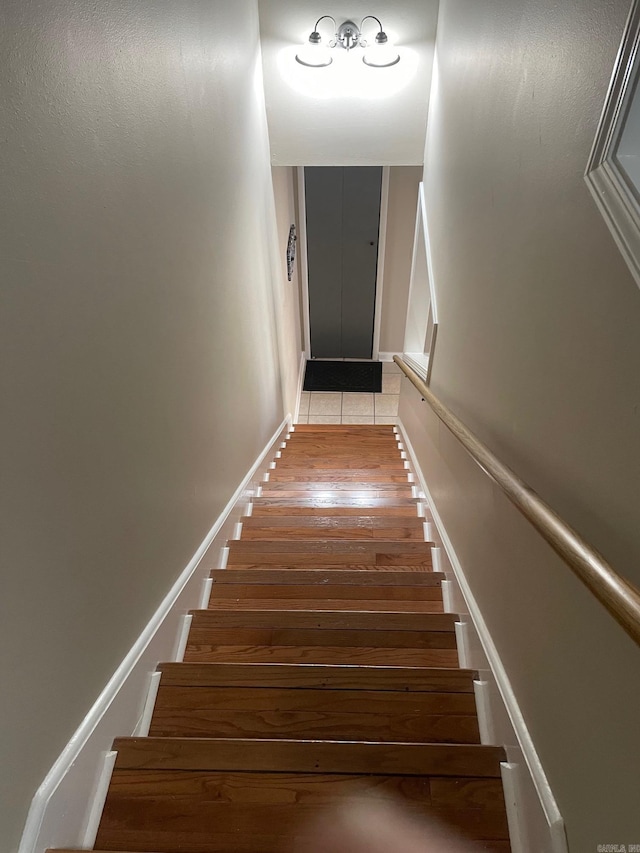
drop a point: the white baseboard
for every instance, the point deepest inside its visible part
(63, 810)
(387, 356)
(512, 797)
(482, 691)
(207, 586)
(182, 639)
(142, 729)
(98, 798)
(537, 814)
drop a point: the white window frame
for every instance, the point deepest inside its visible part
(617, 202)
(422, 308)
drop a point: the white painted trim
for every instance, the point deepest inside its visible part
(224, 558)
(304, 260)
(485, 715)
(382, 249)
(512, 797)
(98, 798)
(387, 356)
(615, 201)
(558, 836)
(301, 371)
(428, 531)
(462, 641)
(183, 638)
(303, 251)
(447, 597)
(422, 233)
(237, 530)
(57, 816)
(205, 598)
(436, 557)
(142, 729)
(531, 757)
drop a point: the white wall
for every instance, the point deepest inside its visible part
(288, 301)
(538, 352)
(140, 362)
(401, 222)
(326, 117)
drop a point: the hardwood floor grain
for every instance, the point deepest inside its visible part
(323, 667)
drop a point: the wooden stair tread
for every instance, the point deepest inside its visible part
(402, 678)
(328, 565)
(360, 494)
(309, 756)
(329, 604)
(263, 787)
(324, 522)
(257, 844)
(336, 506)
(199, 649)
(346, 462)
(214, 633)
(221, 806)
(323, 667)
(300, 457)
(315, 713)
(299, 533)
(321, 545)
(334, 621)
(302, 475)
(322, 591)
(332, 577)
(331, 446)
(345, 439)
(322, 700)
(348, 486)
(325, 553)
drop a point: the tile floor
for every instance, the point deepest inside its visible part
(329, 407)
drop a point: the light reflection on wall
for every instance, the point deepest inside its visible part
(347, 76)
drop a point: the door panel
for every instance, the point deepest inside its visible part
(343, 219)
(323, 191)
(361, 223)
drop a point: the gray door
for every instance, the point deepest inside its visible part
(343, 220)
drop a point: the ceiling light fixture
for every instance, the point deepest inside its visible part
(315, 54)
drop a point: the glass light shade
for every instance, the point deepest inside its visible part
(381, 54)
(313, 53)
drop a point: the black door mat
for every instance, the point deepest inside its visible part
(364, 376)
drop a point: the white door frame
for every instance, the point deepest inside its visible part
(304, 262)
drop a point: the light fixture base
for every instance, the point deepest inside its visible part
(348, 35)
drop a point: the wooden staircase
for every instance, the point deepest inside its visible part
(323, 668)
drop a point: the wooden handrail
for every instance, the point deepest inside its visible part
(620, 597)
